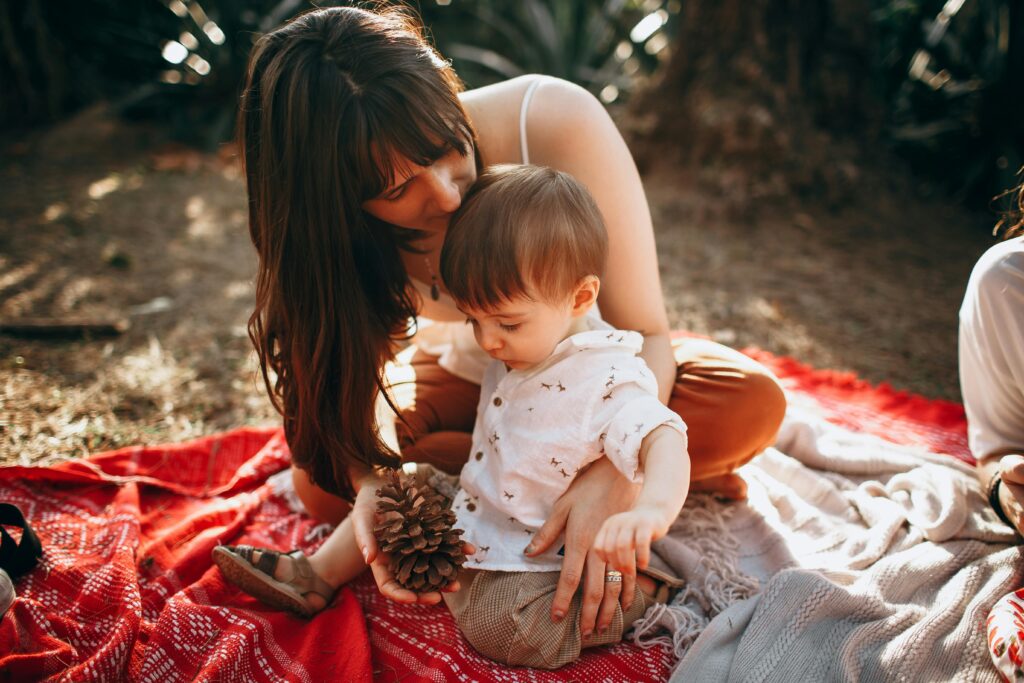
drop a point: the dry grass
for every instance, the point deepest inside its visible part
(100, 218)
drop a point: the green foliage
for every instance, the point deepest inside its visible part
(952, 78)
(178, 59)
(183, 61)
(603, 45)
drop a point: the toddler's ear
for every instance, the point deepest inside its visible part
(585, 295)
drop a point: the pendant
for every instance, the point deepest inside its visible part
(435, 291)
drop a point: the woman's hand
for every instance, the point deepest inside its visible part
(364, 517)
(1011, 491)
(595, 495)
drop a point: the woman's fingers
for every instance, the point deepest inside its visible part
(606, 613)
(392, 590)
(593, 593)
(388, 585)
(364, 516)
(1011, 498)
(595, 495)
(362, 526)
(549, 532)
(1011, 467)
(569, 580)
(601, 543)
(613, 592)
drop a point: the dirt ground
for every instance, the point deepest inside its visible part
(104, 219)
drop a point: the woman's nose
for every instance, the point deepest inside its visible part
(447, 193)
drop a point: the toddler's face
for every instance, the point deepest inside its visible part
(521, 333)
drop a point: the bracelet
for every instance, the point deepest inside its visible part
(993, 498)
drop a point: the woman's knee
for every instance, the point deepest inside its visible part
(733, 406)
(765, 407)
(318, 503)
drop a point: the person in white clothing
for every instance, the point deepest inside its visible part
(992, 383)
(522, 260)
(991, 353)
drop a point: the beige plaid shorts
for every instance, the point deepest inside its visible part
(506, 616)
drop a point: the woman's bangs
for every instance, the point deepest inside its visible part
(441, 129)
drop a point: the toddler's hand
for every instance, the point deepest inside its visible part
(628, 535)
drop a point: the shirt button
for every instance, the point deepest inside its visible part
(497, 400)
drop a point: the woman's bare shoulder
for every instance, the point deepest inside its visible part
(494, 111)
(565, 120)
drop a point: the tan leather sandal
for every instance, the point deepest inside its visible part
(257, 579)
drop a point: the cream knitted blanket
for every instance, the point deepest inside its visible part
(853, 559)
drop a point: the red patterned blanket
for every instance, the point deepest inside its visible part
(126, 589)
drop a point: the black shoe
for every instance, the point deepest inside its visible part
(17, 558)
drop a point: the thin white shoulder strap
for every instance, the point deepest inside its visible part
(524, 148)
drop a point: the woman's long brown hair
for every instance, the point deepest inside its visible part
(331, 101)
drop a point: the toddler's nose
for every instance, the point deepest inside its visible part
(490, 342)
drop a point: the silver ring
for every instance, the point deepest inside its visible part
(613, 576)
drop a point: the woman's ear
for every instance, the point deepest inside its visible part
(585, 295)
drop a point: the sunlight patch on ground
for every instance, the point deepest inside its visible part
(101, 188)
(74, 292)
(24, 301)
(152, 370)
(55, 212)
(203, 223)
(239, 289)
(19, 274)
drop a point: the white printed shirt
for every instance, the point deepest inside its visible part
(537, 428)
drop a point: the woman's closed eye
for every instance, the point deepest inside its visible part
(395, 194)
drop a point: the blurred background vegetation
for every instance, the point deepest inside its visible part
(766, 85)
(819, 173)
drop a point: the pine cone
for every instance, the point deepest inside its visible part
(416, 530)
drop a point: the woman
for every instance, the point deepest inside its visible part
(359, 145)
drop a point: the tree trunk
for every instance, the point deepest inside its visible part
(756, 82)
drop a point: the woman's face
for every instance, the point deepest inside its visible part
(425, 197)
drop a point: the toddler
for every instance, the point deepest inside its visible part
(522, 259)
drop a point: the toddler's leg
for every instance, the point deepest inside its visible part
(506, 616)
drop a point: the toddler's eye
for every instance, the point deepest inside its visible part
(511, 328)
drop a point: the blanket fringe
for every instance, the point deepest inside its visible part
(713, 585)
